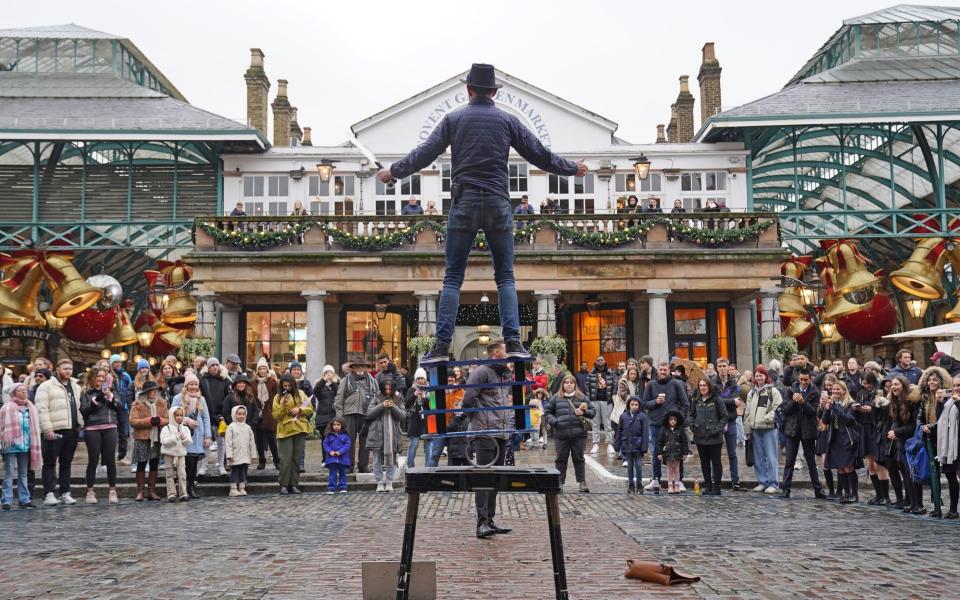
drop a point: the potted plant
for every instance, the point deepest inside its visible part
(550, 349)
(192, 347)
(779, 346)
(420, 345)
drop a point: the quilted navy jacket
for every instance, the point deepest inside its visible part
(480, 135)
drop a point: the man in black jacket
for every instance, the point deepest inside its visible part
(660, 396)
(480, 136)
(799, 411)
(387, 371)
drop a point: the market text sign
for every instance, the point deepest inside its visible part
(25, 332)
(516, 102)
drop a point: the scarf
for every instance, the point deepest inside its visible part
(11, 428)
(263, 394)
(948, 429)
(389, 456)
(154, 431)
(191, 403)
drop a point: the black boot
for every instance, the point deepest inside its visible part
(843, 488)
(918, 508)
(853, 488)
(828, 478)
(884, 493)
(897, 489)
(262, 464)
(876, 491)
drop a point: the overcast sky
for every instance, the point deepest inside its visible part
(348, 60)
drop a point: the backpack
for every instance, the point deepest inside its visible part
(917, 458)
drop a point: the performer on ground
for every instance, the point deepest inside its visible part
(480, 136)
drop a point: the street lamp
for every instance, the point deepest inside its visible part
(484, 334)
(145, 337)
(593, 306)
(325, 169)
(641, 165)
(826, 330)
(917, 307)
(381, 307)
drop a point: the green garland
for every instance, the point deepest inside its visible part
(376, 242)
(253, 240)
(716, 238)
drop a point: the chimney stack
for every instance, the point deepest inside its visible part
(661, 136)
(296, 134)
(307, 141)
(258, 89)
(709, 79)
(684, 106)
(281, 115)
(672, 125)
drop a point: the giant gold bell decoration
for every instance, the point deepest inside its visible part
(953, 315)
(920, 275)
(851, 270)
(797, 327)
(71, 293)
(181, 306)
(19, 291)
(123, 333)
(836, 305)
(790, 301)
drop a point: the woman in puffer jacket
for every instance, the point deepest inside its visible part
(708, 420)
(566, 414)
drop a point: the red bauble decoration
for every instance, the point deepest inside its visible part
(868, 326)
(159, 347)
(89, 326)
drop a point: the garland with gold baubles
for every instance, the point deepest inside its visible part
(376, 242)
(253, 240)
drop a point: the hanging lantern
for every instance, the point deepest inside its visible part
(826, 330)
(71, 293)
(19, 291)
(917, 307)
(641, 166)
(145, 338)
(325, 169)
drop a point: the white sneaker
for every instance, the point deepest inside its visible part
(770, 490)
(51, 499)
(67, 499)
(223, 471)
(388, 486)
(342, 492)
(133, 468)
(381, 487)
(202, 470)
(213, 447)
(653, 485)
(681, 487)
(760, 487)
(595, 449)
(624, 464)
(330, 492)
(610, 450)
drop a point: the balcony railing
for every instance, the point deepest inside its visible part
(532, 233)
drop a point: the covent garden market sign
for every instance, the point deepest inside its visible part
(509, 99)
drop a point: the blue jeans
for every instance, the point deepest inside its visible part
(414, 443)
(766, 456)
(634, 466)
(433, 451)
(19, 462)
(730, 436)
(478, 210)
(337, 480)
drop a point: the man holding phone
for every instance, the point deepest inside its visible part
(661, 396)
(800, 429)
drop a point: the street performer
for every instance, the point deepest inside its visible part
(480, 135)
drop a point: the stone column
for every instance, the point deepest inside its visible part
(769, 315)
(427, 312)
(206, 314)
(229, 330)
(743, 334)
(316, 334)
(658, 347)
(641, 328)
(546, 311)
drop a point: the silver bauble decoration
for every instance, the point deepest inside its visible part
(112, 291)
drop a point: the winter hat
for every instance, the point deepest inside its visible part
(233, 411)
(646, 358)
(329, 368)
(295, 365)
(263, 363)
(45, 372)
(212, 361)
(142, 364)
(13, 388)
(115, 358)
(190, 376)
(420, 372)
(233, 358)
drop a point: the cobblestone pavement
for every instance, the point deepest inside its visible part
(741, 544)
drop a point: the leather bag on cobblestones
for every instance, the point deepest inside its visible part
(655, 572)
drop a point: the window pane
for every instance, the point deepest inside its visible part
(348, 185)
(690, 321)
(312, 187)
(655, 182)
(723, 339)
(564, 185)
(248, 186)
(578, 185)
(272, 185)
(284, 185)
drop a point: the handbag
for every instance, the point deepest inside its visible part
(587, 424)
(749, 452)
(655, 572)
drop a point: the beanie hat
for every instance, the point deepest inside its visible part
(212, 361)
(115, 358)
(263, 363)
(329, 368)
(142, 364)
(295, 365)
(420, 372)
(45, 372)
(190, 376)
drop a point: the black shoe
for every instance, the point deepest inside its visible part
(907, 509)
(172, 499)
(295, 490)
(785, 494)
(834, 496)
(483, 530)
(737, 487)
(875, 501)
(262, 465)
(31, 505)
(516, 350)
(936, 514)
(632, 489)
(820, 496)
(440, 354)
(951, 516)
(918, 511)
(362, 469)
(496, 529)
(5, 506)
(194, 491)
(898, 505)
(716, 490)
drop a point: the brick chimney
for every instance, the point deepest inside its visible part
(672, 125)
(281, 115)
(295, 132)
(307, 141)
(258, 88)
(709, 79)
(684, 106)
(661, 136)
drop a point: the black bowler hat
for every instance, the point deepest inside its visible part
(482, 76)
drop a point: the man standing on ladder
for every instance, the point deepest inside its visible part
(480, 136)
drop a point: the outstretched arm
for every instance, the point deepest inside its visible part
(422, 155)
(529, 147)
